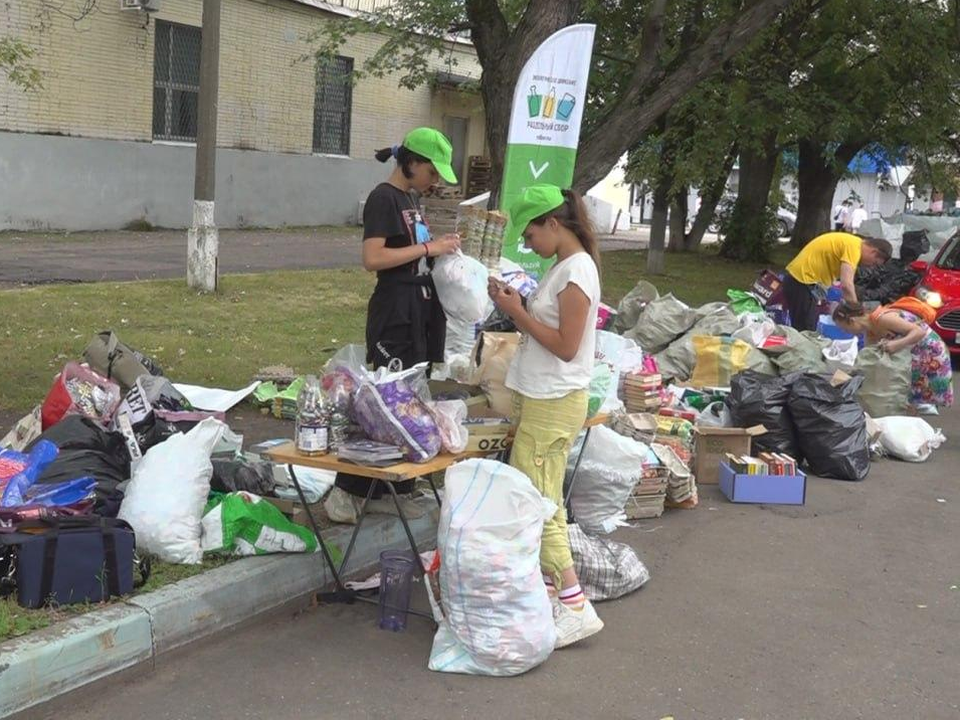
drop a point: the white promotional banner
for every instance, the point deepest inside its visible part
(545, 123)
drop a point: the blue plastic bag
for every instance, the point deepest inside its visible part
(62, 494)
(18, 471)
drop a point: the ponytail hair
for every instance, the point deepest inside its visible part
(847, 311)
(573, 216)
(405, 158)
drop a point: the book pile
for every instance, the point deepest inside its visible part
(369, 452)
(639, 426)
(641, 392)
(681, 485)
(647, 497)
(766, 463)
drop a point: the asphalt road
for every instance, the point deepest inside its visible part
(34, 258)
(848, 607)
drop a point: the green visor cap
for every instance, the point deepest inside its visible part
(534, 201)
(434, 146)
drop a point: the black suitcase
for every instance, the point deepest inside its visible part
(68, 560)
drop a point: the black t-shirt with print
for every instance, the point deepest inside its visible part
(395, 215)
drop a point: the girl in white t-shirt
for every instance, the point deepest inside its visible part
(550, 374)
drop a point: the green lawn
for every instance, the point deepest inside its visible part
(294, 318)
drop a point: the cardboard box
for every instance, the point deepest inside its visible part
(487, 431)
(711, 444)
(475, 396)
(296, 512)
(767, 489)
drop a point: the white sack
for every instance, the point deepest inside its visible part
(165, 498)
(908, 438)
(497, 615)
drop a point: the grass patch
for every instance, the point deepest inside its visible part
(297, 318)
(695, 278)
(16, 621)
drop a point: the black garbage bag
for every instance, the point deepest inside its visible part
(87, 450)
(234, 475)
(759, 399)
(915, 243)
(885, 283)
(831, 426)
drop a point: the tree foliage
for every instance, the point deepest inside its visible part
(15, 57)
(648, 55)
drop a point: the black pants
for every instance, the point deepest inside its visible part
(803, 306)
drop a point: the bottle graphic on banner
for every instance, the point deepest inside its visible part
(533, 101)
(549, 103)
(567, 103)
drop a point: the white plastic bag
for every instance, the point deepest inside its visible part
(841, 352)
(611, 466)
(166, 496)
(908, 438)
(755, 329)
(449, 416)
(497, 615)
(616, 351)
(461, 283)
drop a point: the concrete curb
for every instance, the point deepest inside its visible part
(82, 650)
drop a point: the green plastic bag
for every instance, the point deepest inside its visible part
(743, 302)
(241, 523)
(599, 388)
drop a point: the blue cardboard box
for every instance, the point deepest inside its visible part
(767, 489)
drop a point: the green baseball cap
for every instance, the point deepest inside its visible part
(434, 146)
(534, 201)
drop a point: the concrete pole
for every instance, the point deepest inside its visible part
(203, 239)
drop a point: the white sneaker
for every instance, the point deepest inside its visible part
(575, 625)
(927, 409)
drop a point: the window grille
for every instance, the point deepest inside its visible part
(332, 105)
(176, 81)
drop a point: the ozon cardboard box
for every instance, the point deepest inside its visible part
(712, 445)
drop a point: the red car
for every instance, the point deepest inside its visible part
(940, 288)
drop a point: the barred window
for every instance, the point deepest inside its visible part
(332, 105)
(176, 81)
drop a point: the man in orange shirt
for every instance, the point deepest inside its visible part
(824, 260)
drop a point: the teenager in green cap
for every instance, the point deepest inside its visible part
(405, 322)
(551, 372)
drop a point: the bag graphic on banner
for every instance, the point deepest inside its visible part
(545, 125)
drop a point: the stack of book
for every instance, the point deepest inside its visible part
(766, 463)
(681, 485)
(639, 426)
(369, 452)
(647, 497)
(284, 408)
(641, 392)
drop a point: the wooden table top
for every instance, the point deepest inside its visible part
(287, 453)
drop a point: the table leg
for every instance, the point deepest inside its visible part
(406, 527)
(316, 531)
(356, 528)
(573, 476)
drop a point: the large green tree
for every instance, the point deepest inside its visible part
(644, 63)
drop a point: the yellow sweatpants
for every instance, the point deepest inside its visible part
(545, 433)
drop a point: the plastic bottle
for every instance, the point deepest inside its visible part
(339, 404)
(312, 433)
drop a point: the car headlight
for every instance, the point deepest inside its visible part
(930, 297)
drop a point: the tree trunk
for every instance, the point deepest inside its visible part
(678, 220)
(817, 177)
(658, 228)
(710, 196)
(502, 55)
(747, 237)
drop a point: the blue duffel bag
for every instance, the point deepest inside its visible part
(68, 560)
